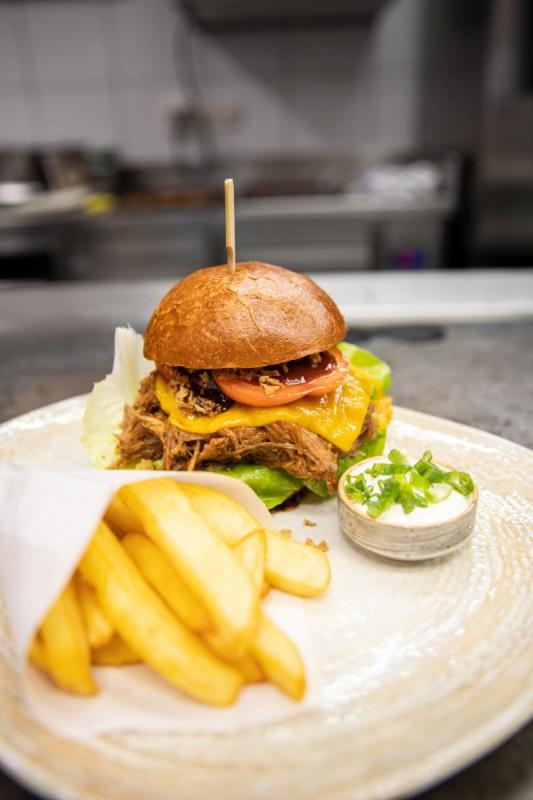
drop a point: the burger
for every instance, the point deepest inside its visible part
(250, 377)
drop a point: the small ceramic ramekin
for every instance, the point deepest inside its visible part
(403, 542)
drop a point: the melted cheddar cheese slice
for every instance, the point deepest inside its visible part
(338, 417)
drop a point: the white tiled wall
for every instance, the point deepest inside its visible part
(104, 73)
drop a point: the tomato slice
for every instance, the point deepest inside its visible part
(300, 380)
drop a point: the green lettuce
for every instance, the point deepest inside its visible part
(105, 405)
(368, 362)
(272, 486)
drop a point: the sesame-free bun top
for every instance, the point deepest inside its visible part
(257, 315)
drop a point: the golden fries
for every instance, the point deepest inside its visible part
(227, 518)
(279, 659)
(114, 653)
(251, 552)
(296, 568)
(174, 577)
(166, 581)
(288, 566)
(120, 519)
(66, 648)
(276, 655)
(148, 626)
(204, 561)
(250, 670)
(99, 629)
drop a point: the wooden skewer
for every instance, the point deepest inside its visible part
(229, 204)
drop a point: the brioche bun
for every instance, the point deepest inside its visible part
(252, 317)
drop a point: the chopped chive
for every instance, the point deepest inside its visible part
(418, 481)
(387, 469)
(429, 471)
(378, 504)
(460, 481)
(410, 486)
(407, 500)
(395, 457)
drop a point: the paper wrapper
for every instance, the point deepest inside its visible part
(46, 521)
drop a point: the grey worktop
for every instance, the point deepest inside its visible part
(481, 375)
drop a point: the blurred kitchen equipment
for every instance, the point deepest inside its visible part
(307, 214)
(401, 214)
(21, 176)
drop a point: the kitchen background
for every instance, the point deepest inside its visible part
(362, 134)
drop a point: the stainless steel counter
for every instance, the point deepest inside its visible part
(55, 342)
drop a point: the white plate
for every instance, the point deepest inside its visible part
(425, 666)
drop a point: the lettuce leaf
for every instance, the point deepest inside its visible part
(368, 362)
(105, 406)
(368, 449)
(272, 486)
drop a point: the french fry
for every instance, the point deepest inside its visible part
(99, 629)
(203, 560)
(296, 568)
(148, 626)
(227, 518)
(66, 648)
(37, 655)
(115, 653)
(120, 519)
(277, 656)
(165, 580)
(251, 552)
(250, 670)
(279, 659)
(247, 665)
(290, 566)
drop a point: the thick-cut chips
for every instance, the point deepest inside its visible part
(296, 568)
(203, 560)
(148, 626)
(227, 518)
(250, 670)
(279, 659)
(277, 656)
(290, 566)
(120, 519)
(251, 552)
(191, 563)
(115, 653)
(66, 648)
(166, 581)
(99, 629)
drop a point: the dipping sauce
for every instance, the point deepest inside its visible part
(434, 514)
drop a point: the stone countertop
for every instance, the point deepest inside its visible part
(480, 375)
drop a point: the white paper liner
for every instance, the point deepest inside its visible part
(46, 520)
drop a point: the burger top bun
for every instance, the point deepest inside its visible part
(257, 315)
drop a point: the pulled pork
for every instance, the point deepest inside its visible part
(282, 444)
(141, 438)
